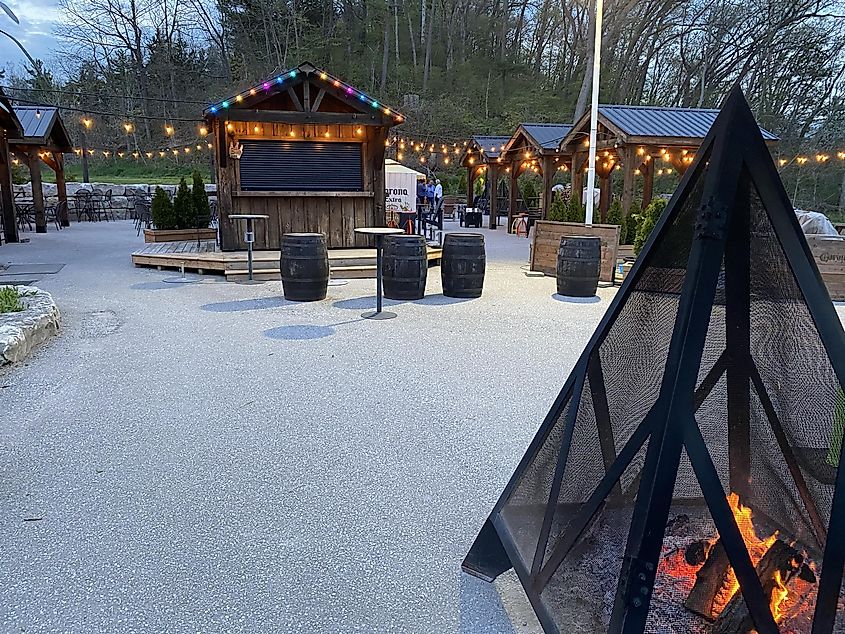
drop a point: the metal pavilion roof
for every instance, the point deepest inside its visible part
(8, 119)
(42, 125)
(490, 146)
(547, 135)
(661, 121)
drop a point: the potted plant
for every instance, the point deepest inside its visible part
(185, 218)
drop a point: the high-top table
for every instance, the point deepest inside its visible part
(378, 233)
(249, 234)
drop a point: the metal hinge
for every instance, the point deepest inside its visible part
(710, 222)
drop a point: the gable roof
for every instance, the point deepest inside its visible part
(280, 83)
(643, 122)
(42, 125)
(8, 119)
(490, 146)
(544, 136)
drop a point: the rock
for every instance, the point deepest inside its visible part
(49, 189)
(22, 331)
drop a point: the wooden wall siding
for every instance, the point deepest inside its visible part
(547, 235)
(830, 258)
(332, 213)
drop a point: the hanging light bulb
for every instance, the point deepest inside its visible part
(128, 127)
(87, 122)
(38, 113)
(203, 130)
(168, 129)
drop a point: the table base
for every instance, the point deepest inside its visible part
(378, 315)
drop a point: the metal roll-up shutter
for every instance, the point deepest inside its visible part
(300, 166)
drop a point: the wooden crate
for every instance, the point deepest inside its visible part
(547, 235)
(178, 235)
(829, 253)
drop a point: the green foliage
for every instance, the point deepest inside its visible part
(478, 186)
(649, 219)
(557, 210)
(632, 223)
(614, 213)
(20, 174)
(202, 211)
(575, 211)
(162, 210)
(529, 191)
(10, 299)
(183, 206)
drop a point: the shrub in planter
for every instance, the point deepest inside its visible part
(616, 217)
(162, 210)
(183, 206)
(649, 219)
(632, 222)
(202, 212)
(575, 211)
(557, 211)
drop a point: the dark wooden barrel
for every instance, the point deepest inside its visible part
(305, 266)
(404, 267)
(578, 266)
(462, 264)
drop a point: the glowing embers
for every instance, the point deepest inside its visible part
(696, 572)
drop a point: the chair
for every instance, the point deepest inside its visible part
(108, 209)
(55, 212)
(83, 205)
(143, 215)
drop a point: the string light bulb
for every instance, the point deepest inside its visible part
(168, 129)
(87, 123)
(128, 127)
(203, 130)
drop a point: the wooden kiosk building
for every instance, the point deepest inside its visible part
(306, 149)
(630, 140)
(9, 127)
(44, 139)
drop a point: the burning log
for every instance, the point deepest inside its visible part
(710, 579)
(780, 563)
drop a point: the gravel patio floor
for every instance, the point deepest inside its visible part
(209, 457)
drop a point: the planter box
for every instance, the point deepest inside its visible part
(829, 254)
(547, 235)
(178, 235)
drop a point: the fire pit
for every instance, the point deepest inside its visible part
(686, 478)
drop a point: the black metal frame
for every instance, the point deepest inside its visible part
(732, 160)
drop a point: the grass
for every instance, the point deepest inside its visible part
(124, 172)
(10, 300)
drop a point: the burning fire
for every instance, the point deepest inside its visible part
(779, 594)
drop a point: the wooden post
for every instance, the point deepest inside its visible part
(604, 195)
(577, 177)
(379, 211)
(548, 175)
(7, 201)
(37, 192)
(648, 182)
(61, 188)
(493, 181)
(629, 165)
(512, 192)
(470, 182)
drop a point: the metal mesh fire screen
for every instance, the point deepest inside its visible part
(686, 478)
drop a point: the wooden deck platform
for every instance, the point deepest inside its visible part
(207, 258)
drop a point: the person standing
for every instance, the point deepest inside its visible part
(438, 194)
(429, 192)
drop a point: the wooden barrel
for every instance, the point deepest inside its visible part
(462, 264)
(578, 266)
(305, 266)
(404, 267)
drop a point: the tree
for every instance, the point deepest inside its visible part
(649, 220)
(162, 210)
(199, 197)
(575, 211)
(183, 206)
(632, 222)
(557, 210)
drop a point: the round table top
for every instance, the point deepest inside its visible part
(247, 216)
(376, 231)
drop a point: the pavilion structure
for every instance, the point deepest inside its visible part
(44, 138)
(631, 139)
(9, 127)
(537, 147)
(482, 155)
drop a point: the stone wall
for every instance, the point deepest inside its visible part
(122, 195)
(22, 331)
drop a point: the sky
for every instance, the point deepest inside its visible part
(35, 33)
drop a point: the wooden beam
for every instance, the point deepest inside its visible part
(470, 182)
(512, 192)
(37, 192)
(306, 96)
(319, 99)
(604, 196)
(493, 179)
(648, 182)
(319, 118)
(61, 188)
(295, 99)
(577, 177)
(7, 201)
(547, 164)
(630, 163)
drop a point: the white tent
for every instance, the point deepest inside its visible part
(400, 184)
